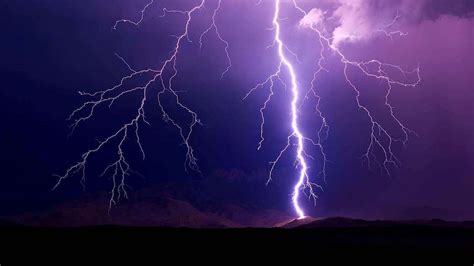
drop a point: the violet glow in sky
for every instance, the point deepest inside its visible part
(381, 138)
(355, 27)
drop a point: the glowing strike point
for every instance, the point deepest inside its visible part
(294, 114)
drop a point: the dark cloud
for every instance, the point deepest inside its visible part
(433, 9)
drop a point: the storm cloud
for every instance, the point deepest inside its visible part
(361, 20)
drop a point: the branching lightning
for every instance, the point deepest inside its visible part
(157, 84)
(380, 139)
(377, 131)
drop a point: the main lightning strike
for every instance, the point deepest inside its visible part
(303, 182)
(377, 131)
(120, 168)
(303, 175)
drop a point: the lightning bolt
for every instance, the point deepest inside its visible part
(303, 182)
(386, 29)
(303, 175)
(157, 84)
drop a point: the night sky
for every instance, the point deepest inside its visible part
(53, 49)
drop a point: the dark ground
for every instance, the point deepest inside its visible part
(388, 241)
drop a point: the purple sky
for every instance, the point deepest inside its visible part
(64, 47)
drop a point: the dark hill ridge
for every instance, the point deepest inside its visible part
(296, 222)
(342, 222)
(213, 202)
(7, 223)
(157, 211)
